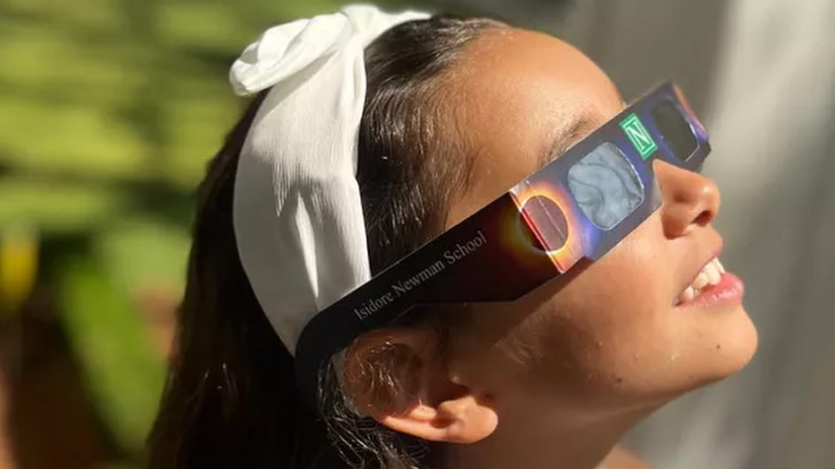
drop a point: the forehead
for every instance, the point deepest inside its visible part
(517, 97)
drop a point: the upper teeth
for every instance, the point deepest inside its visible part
(711, 274)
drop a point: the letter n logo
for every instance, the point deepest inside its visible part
(638, 135)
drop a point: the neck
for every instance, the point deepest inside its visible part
(561, 440)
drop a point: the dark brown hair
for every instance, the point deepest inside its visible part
(231, 399)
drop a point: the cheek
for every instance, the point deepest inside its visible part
(622, 298)
(610, 325)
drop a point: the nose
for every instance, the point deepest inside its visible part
(688, 199)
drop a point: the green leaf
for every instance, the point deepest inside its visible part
(144, 254)
(123, 375)
(55, 207)
(204, 25)
(198, 123)
(74, 139)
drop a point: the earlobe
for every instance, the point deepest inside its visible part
(465, 419)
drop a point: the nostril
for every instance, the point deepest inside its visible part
(704, 218)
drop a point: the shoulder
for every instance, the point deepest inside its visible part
(620, 458)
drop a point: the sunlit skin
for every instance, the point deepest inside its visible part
(555, 379)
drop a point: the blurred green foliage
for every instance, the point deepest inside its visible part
(109, 110)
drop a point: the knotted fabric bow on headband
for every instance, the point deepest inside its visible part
(297, 211)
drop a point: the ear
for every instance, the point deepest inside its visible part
(398, 377)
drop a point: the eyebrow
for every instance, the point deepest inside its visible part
(564, 141)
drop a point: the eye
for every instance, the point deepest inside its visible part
(606, 186)
(675, 130)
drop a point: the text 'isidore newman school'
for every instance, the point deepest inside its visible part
(401, 287)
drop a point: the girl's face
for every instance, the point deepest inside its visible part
(609, 335)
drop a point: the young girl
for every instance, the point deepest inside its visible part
(370, 135)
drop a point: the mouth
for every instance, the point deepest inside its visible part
(712, 285)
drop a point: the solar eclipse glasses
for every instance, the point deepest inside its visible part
(579, 205)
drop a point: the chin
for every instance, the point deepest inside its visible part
(732, 349)
(725, 348)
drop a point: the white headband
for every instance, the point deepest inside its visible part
(297, 212)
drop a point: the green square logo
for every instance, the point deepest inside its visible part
(638, 135)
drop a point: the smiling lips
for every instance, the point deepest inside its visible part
(710, 276)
